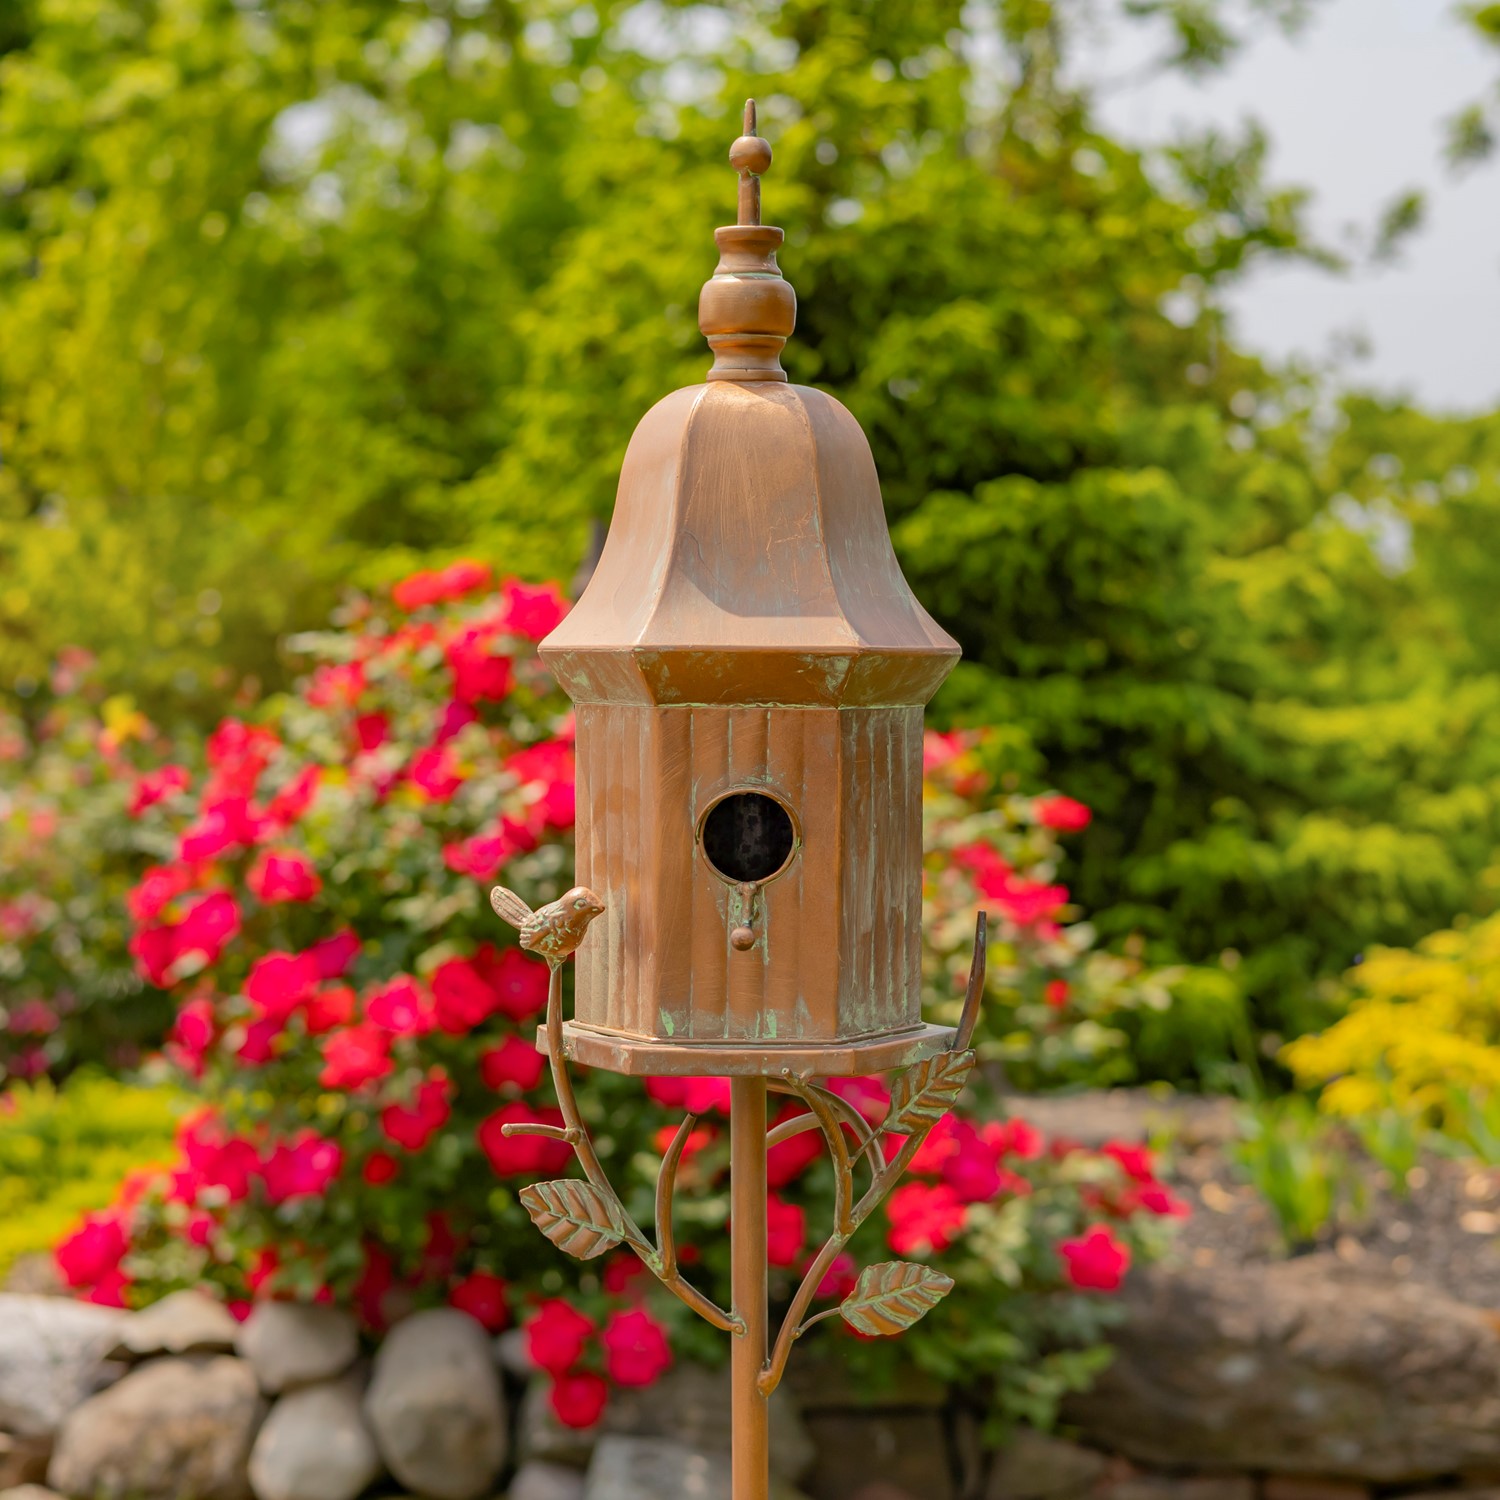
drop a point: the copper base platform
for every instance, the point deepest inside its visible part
(651, 1057)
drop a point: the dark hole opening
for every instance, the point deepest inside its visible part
(748, 836)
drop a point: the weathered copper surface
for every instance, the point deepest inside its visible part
(604, 1049)
(748, 562)
(836, 951)
(749, 670)
(751, 1457)
(747, 629)
(616, 1054)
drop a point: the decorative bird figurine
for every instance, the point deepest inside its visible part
(555, 929)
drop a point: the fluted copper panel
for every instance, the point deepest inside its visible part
(837, 935)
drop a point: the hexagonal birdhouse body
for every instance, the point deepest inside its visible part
(750, 669)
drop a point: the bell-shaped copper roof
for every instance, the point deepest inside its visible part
(748, 561)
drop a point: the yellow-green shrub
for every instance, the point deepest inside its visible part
(64, 1150)
(1422, 1024)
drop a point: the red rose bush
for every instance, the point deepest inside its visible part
(1054, 998)
(73, 783)
(360, 1029)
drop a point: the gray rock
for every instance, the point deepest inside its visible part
(1183, 1487)
(689, 1404)
(297, 1343)
(632, 1468)
(1462, 1493)
(315, 1446)
(23, 1460)
(1301, 1367)
(436, 1407)
(511, 1354)
(172, 1429)
(52, 1352)
(1311, 1487)
(182, 1323)
(1037, 1466)
(537, 1481)
(906, 1450)
(1099, 1115)
(36, 1274)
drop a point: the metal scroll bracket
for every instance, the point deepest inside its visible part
(585, 1217)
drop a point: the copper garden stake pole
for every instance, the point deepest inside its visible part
(747, 1219)
(749, 671)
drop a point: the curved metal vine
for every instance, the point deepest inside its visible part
(587, 1218)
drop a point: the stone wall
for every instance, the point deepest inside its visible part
(1297, 1383)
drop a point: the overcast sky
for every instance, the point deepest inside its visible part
(1354, 106)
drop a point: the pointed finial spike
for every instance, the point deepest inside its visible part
(750, 156)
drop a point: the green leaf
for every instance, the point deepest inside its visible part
(888, 1298)
(1471, 136)
(925, 1092)
(575, 1216)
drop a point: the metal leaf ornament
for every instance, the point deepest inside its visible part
(575, 1216)
(924, 1093)
(888, 1298)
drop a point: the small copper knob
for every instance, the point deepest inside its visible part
(750, 153)
(742, 938)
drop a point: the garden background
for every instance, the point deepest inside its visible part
(325, 328)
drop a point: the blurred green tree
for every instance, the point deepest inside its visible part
(1473, 131)
(299, 294)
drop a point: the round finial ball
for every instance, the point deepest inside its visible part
(742, 938)
(750, 154)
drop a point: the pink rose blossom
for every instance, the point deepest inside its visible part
(1061, 814)
(156, 786)
(533, 611)
(515, 1062)
(439, 586)
(636, 1352)
(354, 1057)
(283, 875)
(412, 1126)
(1096, 1261)
(401, 1007)
(436, 772)
(302, 1168)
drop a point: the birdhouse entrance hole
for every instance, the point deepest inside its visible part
(748, 837)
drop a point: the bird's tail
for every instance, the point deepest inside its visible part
(509, 905)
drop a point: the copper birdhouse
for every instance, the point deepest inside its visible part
(750, 669)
